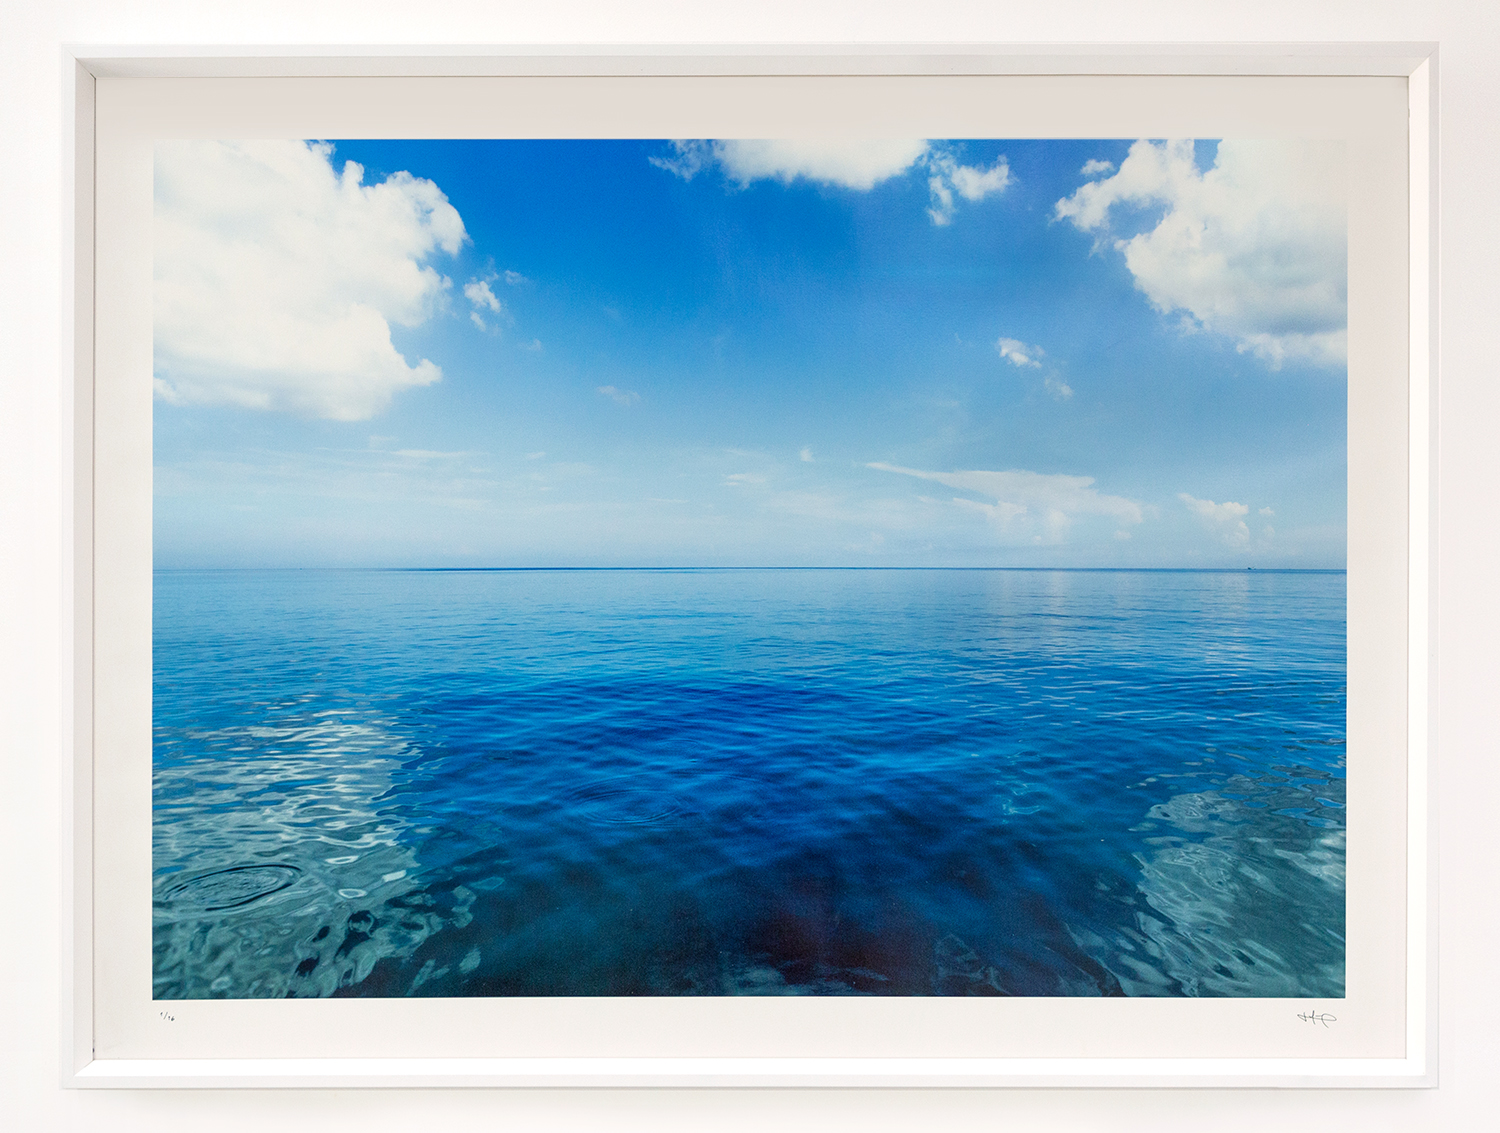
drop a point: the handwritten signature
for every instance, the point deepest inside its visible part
(1317, 1017)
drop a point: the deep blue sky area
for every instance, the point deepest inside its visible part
(641, 353)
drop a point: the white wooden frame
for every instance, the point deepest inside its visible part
(1416, 63)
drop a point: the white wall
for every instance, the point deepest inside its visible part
(31, 542)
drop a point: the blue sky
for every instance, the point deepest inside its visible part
(575, 353)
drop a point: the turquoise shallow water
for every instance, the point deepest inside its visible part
(748, 782)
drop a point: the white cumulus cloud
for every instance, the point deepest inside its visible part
(1016, 352)
(857, 163)
(1255, 248)
(278, 277)
(1228, 518)
(849, 163)
(1058, 388)
(1038, 505)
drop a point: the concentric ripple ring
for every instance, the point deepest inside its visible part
(230, 888)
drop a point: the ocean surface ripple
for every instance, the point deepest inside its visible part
(714, 782)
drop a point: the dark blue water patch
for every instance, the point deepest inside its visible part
(759, 782)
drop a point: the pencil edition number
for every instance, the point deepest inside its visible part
(167, 1017)
(1317, 1017)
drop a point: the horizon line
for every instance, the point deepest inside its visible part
(689, 567)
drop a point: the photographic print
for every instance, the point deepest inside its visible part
(749, 567)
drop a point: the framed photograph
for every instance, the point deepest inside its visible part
(717, 568)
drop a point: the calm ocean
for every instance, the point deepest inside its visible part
(709, 782)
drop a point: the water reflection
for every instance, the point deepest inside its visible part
(277, 869)
(1252, 900)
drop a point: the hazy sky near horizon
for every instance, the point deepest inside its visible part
(656, 353)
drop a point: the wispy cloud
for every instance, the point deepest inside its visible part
(478, 293)
(431, 478)
(947, 177)
(806, 455)
(1001, 511)
(428, 454)
(1017, 353)
(1057, 387)
(620, 396)
(1036, 505)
